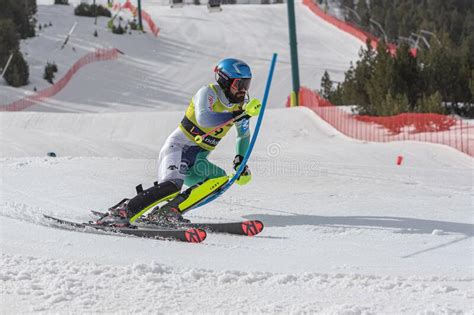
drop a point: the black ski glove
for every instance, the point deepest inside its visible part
(239, 112)
(246, 175)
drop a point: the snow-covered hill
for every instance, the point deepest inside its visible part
(342, 222)
(347, 231)
(164, 72)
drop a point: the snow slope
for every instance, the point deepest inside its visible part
(346, 230)
(164, 72)
(343, 222)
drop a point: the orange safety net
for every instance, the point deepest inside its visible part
(98, 55)
(435, 128)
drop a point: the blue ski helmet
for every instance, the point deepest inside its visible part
(233, 72)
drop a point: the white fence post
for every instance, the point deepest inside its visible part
(6, 66)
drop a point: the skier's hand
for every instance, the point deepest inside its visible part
(252, 108)
(246, 176)
(237, 113)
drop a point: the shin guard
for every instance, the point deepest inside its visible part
(150, 197)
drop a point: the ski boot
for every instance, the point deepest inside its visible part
(127, 211)
(117, 216)
(169, 214)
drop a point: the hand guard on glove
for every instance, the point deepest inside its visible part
(246, 175)
(252, 108)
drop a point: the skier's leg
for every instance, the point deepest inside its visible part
(196, 193)
(204, 178)
(202, 170)
(173, 210)
(150, 198)
(173, 165)
(174, 162)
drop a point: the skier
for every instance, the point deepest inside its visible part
(183, 158)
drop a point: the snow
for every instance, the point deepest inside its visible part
(347, 231)
(167, 289)
(163, 72)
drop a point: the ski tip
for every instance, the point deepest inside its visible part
(252, 228)
(195, 235)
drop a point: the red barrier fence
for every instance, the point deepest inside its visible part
(145, 16)
(349, 28)
(433, 128)
(98, 55)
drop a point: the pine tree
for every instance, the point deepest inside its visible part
(9, 40)
(406, 75)
(364, 13)
(336, 96)
(49, 70)
(441, 73)
(17, 73)
(326, 86)
(381, 82)
(32, 8)
(377, 11)
(22, 13)
(363, 73)
(348, 3)
(348, 87)
(431, 104)
(393, 105)
(391, 23)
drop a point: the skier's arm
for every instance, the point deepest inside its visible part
(243, 141)
(203, 102)
(243, 137)
(252, 108)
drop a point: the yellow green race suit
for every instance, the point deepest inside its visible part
(182, 160)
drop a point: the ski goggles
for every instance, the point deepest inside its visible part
(241, 84)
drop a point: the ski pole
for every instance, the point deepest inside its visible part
(199, 139)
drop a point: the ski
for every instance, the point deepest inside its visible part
(98, 213)
(191, 235)
(248, 228)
